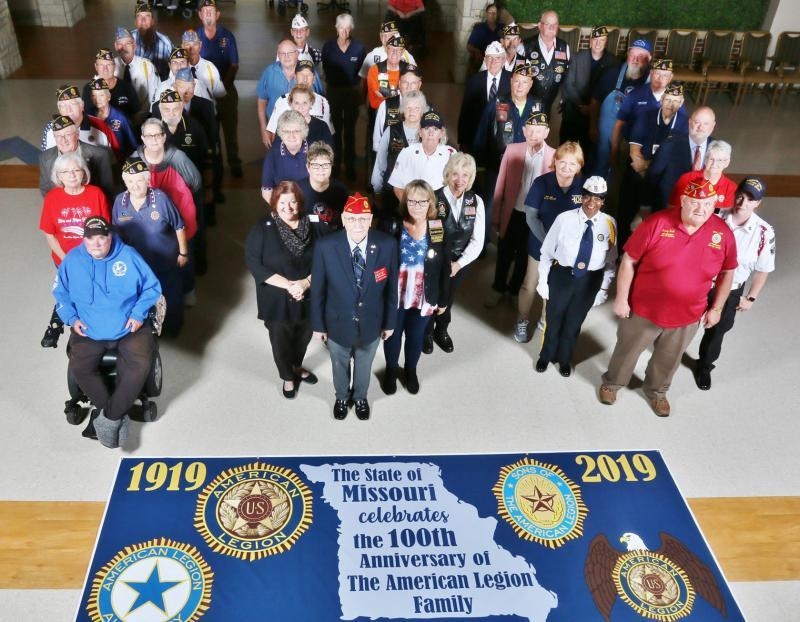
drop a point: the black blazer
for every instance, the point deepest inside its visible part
(266, 255)
(436, 269)
(673, 159)
(476, 96)
(349, 317)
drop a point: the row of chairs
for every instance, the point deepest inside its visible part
(717, 68)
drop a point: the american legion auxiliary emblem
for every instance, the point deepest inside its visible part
(159, 580)
(540, 502)
(253, 511)
(658, 585)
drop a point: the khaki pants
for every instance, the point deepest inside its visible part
(634, 335)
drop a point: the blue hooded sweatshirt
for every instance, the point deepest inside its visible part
(105, 293)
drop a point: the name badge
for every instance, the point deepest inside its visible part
(560, 55)
(381, 274)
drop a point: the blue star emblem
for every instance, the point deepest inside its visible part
(151, 591)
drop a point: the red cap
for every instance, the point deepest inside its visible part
(700, 188)
(357, 204)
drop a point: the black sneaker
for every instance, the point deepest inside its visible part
(51, 335)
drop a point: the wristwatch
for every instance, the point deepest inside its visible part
(751, 298)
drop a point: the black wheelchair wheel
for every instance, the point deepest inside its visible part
(187, 13)
(149, 412)
(152, 386)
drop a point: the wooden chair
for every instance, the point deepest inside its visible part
(716, 63)
(648, 34)
(572, 35)
(786, 63)
(680, 50)
(752, 64)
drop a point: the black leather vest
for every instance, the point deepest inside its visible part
(457, 232)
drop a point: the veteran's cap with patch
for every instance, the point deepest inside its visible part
(190, 36)
(177, 54)
(495, 48)
(389, 26)
(65, 92)
(700, 188)
(674, 88)
(170, 96)
(304, 65)
(62, 122)
(122, 33)
(524, 69)
(595, 186)
(398, 41)
(538, 118)
(512, 30)
(134, 165)
(95, 225)
(753, 186)
(432, 119)
(643, 44)
(98, 84)
(599, 31)
(298, 21)
(664, 64)
(357, 204)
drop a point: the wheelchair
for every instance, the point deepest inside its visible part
(78, 407)
(283, 5)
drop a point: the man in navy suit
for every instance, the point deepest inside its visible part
(354, 301)
(680, 154)
(478, 92)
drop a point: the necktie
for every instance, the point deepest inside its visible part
(126, 76)
(584, 252)
(194, 72)
(697, 161)
(493, 89)
(358, 266)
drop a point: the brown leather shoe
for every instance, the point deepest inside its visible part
(660, 406)
(607, 395)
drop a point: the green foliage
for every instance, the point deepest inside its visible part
(661, 14)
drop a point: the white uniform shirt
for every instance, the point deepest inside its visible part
(144, 78)
(563, 240)
(207, 73)
(475, 244)
(379, 54)
(413, 163)
(755, 246)
(320, 109)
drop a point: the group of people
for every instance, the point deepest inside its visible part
(356, 270)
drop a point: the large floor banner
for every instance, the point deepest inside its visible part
(532, 537)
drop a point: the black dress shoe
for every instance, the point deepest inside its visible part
(541, 366)
(565, 369)
(89, 431)
(340, 408)
(290, 394)
(309, 378)
(443, 340)
(702, 378)
(412, 382)
(389, 384)
(362, 409)
(427, 344)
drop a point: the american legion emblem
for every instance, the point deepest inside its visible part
(159, 580)
(540, 502)
(253, 511)
(658, 585)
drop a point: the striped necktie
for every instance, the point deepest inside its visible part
(493, 89)
(359, 264)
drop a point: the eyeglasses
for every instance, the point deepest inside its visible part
(151, 136)
(319, 166)
(72, 171)
(357, 220)
(417, 202)
(287, 54)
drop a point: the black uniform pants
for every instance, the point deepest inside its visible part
(569, 303)
(345, 102)
(134, 359)
(289, 341)
(711, 343)
(512, 248)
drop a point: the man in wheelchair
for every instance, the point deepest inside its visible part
(104, 291)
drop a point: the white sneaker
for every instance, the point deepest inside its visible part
(521, 331)
(493, 299)
(540, 325)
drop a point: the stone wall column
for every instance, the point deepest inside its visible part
(467, 12)
(10, 59)
(63, 13)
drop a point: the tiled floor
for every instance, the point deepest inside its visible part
(221, 393)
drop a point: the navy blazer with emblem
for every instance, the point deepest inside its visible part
(673, 159)
(476, 96)
(351, 317)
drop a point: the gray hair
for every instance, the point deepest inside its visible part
(64, 160)
(345, 19)
(413, 96)
(153, 121)
(460, 161)
(290, 118)
(721, 147)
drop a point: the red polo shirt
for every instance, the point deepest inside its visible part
(726, 190)
(675, 270)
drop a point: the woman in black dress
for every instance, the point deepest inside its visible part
(278, 251)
